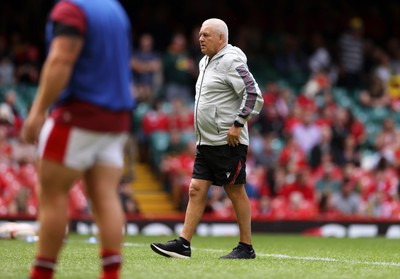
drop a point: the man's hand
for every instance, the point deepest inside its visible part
(32, 126)
(234, 135)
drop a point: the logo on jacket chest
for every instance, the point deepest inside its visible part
(216, 66)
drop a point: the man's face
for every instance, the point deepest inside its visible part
(210, 41)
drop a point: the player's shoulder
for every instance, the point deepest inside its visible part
(66, 8)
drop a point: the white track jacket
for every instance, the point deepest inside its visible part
(225, 91)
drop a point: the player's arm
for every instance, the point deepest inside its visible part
(57, 70)
(68, 39)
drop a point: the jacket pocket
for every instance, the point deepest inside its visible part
(216, 119)
(207, 120)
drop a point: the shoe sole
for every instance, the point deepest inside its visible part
(167, 254)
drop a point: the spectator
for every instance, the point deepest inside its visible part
(377, 206)
(256, 179)
(301, 184)
(351, 152)
(346, 202)
(274, 97)
(376, 94)
(307, 133)
(154, 139)
(345, 125)
(327, 184)
(293, 118)
(169, 161)
(326, 208)
(146, 65)
(7, 119)
(319, 64)
(181, 118)
(316, 153)
(179, 69)
(264, 208)
(320, 59)
(27, 72)
(327, 163)
(175, 145)
(386, 139)
(266, 157)
(10, 98)
(292, 61)
(155, 120)
(298, 207)
(383, 68)
(292, 153)
(351, 55)
(7, 71)
(381, 179)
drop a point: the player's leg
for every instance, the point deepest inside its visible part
(241, 204)
(180, 248)
(102, 181)
(55, 182)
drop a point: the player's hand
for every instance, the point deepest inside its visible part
(31, 128)
(234, 136)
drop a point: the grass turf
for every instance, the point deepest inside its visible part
(278, 256)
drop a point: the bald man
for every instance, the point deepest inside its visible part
(227, 96)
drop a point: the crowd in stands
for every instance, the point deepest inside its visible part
(326, 144)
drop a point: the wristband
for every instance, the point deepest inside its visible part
(238, 124)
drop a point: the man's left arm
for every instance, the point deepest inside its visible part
(243, 84)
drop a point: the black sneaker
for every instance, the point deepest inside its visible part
(241, 252)
(173, 248)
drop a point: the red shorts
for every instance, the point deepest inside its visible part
(78, 148)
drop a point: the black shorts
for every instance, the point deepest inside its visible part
(223, 165)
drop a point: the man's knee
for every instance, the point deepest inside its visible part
(235, 192)
(196, 190)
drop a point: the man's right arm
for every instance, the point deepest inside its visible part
(56, 72)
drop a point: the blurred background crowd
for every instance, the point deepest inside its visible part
(326, 144)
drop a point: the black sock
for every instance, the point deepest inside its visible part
(248, 246)
(184, 241)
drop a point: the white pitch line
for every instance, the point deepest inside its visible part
(282, 256)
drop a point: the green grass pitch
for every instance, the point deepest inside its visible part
(278, 256)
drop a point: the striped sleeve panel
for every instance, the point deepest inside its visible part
(251, 91)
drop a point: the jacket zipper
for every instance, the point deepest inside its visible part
(197, 105)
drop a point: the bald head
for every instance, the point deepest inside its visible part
(213, 36)
(219, 26)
